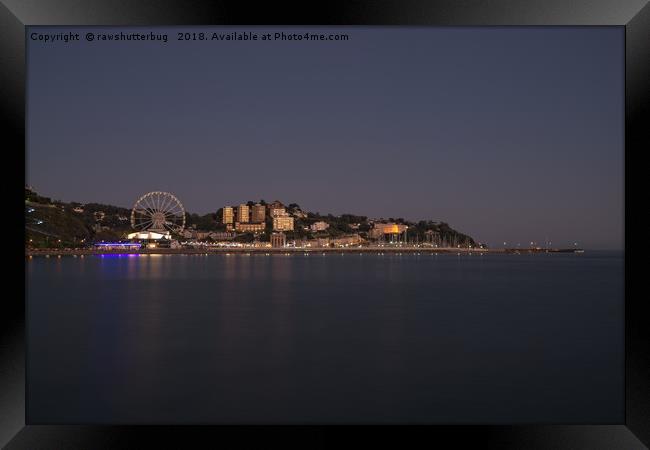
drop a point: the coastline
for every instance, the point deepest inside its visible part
(286, 250)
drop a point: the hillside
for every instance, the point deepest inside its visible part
(51, 223)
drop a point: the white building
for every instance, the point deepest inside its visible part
(319, 226)
(148, 235)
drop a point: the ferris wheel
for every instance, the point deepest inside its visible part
(158, 211)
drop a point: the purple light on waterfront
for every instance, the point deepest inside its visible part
(118, 244)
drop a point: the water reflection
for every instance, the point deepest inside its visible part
(216, 338)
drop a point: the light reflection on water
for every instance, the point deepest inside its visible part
(322, 338)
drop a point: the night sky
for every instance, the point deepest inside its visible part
(507, 134)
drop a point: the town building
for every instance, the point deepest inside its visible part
(320, 242)
(319, 226)
(243, 213)
(278, 240)
(277, 209)
(382, 229)
(228, 215)
(148, 236)
(346, 241)
(258, 214)
(249, 227)
(283, 223)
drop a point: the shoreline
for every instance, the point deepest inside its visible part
(287, 250)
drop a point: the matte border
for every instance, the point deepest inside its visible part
(634, 15)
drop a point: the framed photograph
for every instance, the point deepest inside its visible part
(352, 214)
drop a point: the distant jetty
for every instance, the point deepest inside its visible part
(292, 250)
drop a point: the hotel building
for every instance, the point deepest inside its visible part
(228, 215)
(258, 214)
(283, 223)
(277, 209)
(243, 212)
(249, 227)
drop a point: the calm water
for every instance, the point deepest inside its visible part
(353, 338)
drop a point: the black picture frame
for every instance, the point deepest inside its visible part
(15, 15)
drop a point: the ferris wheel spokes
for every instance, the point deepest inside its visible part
(158, 211)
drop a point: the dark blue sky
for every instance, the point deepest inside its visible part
(507, 134)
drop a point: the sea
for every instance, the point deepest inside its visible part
(326, 338)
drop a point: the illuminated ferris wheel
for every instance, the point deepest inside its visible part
(159, 212)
